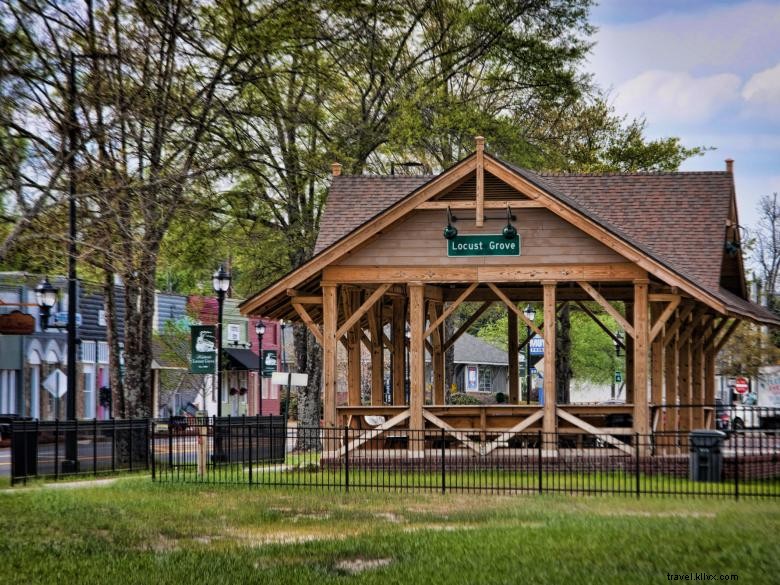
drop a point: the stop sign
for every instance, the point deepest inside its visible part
(741, 385)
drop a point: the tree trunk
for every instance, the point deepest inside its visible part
(118, 407)
(563, 356)
(309, 360)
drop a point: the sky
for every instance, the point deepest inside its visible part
(705, 71)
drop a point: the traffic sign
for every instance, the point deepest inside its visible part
(741, 386)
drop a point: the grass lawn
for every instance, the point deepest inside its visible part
(135, 531)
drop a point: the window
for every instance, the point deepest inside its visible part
(8, 391)
(102, 352)
(88, 352)
(234, 332)
(485, 379)
(89, 391)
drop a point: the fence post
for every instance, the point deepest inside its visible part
(151, 448)
(147, 426)
(130, 447)
(636, 461)
(736, 466)
(113, 445)
(251, 461)
(443, 466)
(539, 459)
(56, 449)
(170, 443)
(94, 446)
(346, 458)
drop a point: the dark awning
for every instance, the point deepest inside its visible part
(241, 359)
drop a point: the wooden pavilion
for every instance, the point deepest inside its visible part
(659, 252)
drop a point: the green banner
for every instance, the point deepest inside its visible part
(487, 245)
(203, 354)
(270, 362)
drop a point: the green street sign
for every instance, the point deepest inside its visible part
(270, 361)
(203, 351)
(483, 245)
(618, 377)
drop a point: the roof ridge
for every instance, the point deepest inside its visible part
(631, 174)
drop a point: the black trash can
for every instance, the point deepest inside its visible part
(706, 458)
(24, 450)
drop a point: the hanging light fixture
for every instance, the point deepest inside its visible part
(510, 231)
(450, 231)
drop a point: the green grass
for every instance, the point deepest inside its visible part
(136, 531)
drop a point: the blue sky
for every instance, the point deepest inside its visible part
(706, 71)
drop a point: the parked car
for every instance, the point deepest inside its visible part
(722, 416)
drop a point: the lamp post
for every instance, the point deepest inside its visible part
(71, 463)
(530, 314)
(46, 297)
(618, 341)
(260, 330)
(221, 284)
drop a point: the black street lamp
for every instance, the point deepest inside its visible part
(260, 330)
(46, 297)
(530, 314)
(221, 284)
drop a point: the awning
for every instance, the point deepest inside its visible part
(241, 359)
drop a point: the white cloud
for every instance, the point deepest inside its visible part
(740, 38)
(669, 96)
(762, 92)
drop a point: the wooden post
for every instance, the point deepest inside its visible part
(399, 350)
(353, 352)
(437, 356)
(416, 358)
(514, 373)
(549, 421)
(629, 341)
(480, 180)
(641, 335)
(697, 378)
(684, 383)
(377, 355)
(329, 325)
(656, 367)
(670, 372)
(709, 387)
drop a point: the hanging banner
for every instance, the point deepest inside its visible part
(203, 354)
(270, 361)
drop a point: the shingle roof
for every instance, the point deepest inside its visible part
(472, 350)
(677, 218)
(353, 200)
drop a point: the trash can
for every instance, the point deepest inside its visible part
(706, 458)
(24, 450)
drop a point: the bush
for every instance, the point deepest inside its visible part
(500, 398)
(462, 399)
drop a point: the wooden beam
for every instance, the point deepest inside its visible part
(670, 374)
(462, 436)
(656, 360)
(375, 432)
(416, 360)
(578, 422)
(709, 341)
(309, 322)
(549, 422)
(306, 300)
(487, 204)
(399, 351)
(510, 305)
(534, 293)
(465, 327)
(353, 334)
(358, 314)
(512, 355)
(612, 272)
(377, 355)
(509, 433)
(603, 327)
(725, 337)
(607, 306)
(464, 295)
(694, 323)
(437, 355)
(664, 317)
(641, 335)
(480, 181)
(682, 315)
(330, 316)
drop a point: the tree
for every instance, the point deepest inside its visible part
(749, 348)
(766, 250)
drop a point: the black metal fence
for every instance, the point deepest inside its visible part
(257, 452)
(57, 449)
